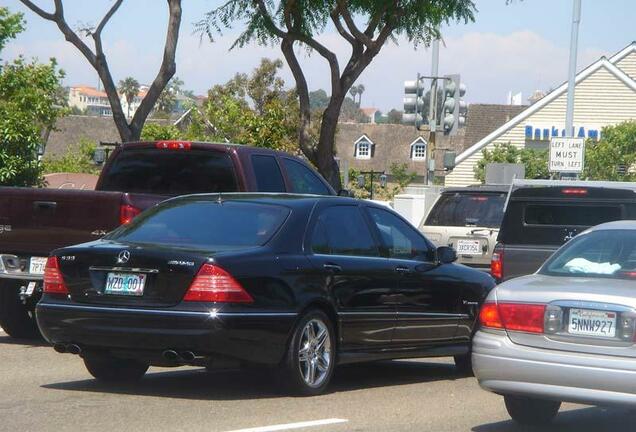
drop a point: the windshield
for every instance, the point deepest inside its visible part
(167, 172)
(206, 225)
(605, 253)
(468, 209)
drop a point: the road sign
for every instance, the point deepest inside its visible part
(567, 155)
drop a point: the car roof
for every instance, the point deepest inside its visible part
(275, 198)
(477, 189)
(616, 225)
(519, 184)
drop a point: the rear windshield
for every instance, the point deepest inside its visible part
(606, 253)
(468, 209)
(554, 223)
(169, 172)
(206, 225)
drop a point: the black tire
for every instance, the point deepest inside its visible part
(16, 319)
(464, 364)
(111, 369)
(294, 373)
(531, 411)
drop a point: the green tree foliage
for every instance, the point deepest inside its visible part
(394, 116)
(400, 176)
(29, 105)
(129, 87)
(10, 25)
(167, 101)
(255, 109)
(365, 25)
(160, 132)
(613, 157)
(78, 161)
(535, 161)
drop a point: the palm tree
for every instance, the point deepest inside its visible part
(353, 91)
(360, 90)
(129, 87)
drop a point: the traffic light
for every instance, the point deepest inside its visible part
(454, 108)
(413, 103)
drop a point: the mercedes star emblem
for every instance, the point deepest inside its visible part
(123, 257)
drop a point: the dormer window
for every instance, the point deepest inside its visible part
(418, 149)
(363, 148)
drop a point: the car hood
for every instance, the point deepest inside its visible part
(539, 288)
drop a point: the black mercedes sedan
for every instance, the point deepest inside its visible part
(295, 282)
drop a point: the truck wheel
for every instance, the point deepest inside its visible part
(531, 411)
(311, 355)
(15, 318)
(110, 369)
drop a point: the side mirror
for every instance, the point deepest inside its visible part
(446, 255)
(345, 193)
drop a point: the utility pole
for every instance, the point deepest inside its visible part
(574, 41)
(432, 115)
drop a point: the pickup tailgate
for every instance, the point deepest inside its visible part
(36, 221)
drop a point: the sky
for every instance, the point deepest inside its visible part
(521, 46)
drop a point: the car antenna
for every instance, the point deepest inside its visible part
(219, 200)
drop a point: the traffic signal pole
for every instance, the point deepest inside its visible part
(432, 115)
(574, 41)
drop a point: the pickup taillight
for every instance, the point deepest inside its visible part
(127, 213)
(497, 262)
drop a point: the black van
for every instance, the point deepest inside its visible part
(541, 215)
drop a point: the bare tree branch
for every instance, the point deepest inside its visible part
(98, 31)
(41, 12)
(351, 25)
(335, 18)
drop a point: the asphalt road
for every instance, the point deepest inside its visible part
(41, 390)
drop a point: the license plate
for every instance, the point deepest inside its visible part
(587, 322)
(36, 265)
(468, 247)
(125, 284)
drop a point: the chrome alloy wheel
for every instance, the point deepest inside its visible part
(314, 353)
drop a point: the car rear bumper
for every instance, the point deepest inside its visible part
(257, 337)
(504, 367)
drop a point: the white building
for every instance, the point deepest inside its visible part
(89, 100)
(605, 94)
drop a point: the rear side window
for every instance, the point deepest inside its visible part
(268, 175)
(204, 225)
(468, 209)
(553, 223)
(401, 240)
(170, 172)
(341, 230)
(303, 180)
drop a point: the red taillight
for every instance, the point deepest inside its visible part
(213, 284)
(127, 213)
(489, 316)
(173, 145)
(527, 318)
(522, 317)
(496, 262)
(574, 191)
(53, 280)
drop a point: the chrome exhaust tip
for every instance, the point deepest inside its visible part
(73, 349)
(188, 356)
(170, 355)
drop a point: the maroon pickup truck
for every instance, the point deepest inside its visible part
(33, 222)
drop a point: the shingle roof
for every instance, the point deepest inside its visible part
(482, 119)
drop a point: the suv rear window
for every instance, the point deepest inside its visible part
(167, 172)
(188, 224)
(468, 209)
(570, 215)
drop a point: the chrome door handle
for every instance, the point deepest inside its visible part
(401, 269)
(332, 267)
(470, 303)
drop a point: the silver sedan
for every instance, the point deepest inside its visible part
(566, 333)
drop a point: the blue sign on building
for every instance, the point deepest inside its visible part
(544, 133)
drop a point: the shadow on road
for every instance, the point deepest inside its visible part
(580, 420)
(258, 384)
(7, 340)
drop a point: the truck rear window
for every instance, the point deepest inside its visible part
(209, 225)
(468, 209)
(170, 172)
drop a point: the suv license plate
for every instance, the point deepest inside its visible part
(125, 284)
(468, 247)
(36, 265)
(587, 322)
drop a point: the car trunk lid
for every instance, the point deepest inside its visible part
(577, 309)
